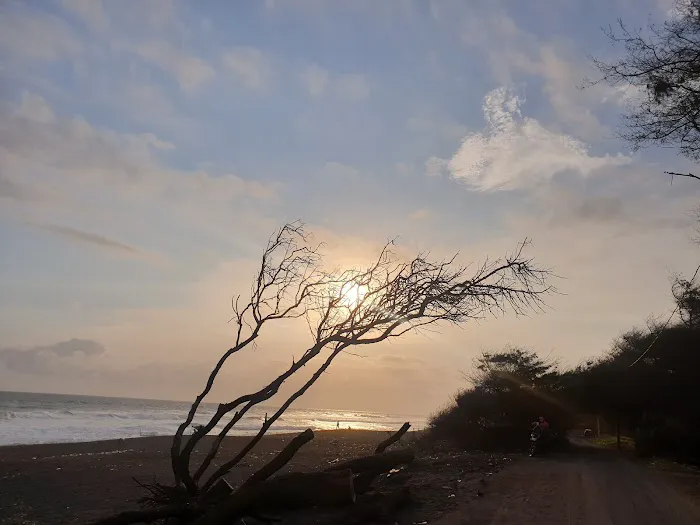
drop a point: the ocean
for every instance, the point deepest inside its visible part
(27, 418)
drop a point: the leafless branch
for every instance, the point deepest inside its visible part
(346, 308)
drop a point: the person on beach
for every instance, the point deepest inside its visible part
(337, 426)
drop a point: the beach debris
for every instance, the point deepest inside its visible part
(337, 486)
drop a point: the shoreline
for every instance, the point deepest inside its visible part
(15, 447)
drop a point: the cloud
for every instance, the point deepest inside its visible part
(42, 359)
(36, 144)
(90, 238)
(62, 170)
(190, 71)
(34, 108)
(435, 166)
(318, 82)
(91, 12)
(34, 35)
(513, 53)
(251, 66)
(619, 211)
(515, 152)
(353, 87)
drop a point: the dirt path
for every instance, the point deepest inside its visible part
(587, 489)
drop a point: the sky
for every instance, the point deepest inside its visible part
(149, 148)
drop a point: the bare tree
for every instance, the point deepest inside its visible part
(663, 64)
(344, 309)
(686, 294)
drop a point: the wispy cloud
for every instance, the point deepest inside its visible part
(91, 12)
(51, 38)
(514, 54)
(315, 79)
(516, 152)
(191, 72)
(41, 359)
(319, 82)
(92, 239)
(250, 65)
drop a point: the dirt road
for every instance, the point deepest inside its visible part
(584, 489)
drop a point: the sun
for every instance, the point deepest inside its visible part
(351, 294)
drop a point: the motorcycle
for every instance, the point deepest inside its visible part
(534, 438)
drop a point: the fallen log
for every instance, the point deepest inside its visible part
(363, 481)
(286, 492)
(281, 459)
(377, 462)
(393, 438)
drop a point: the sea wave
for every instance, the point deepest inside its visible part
(56, 419)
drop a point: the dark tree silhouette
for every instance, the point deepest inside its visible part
(344, 308)
(662, 64)
(509, 389)
(687, 297)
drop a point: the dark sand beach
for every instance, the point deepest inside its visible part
(76, 482)
(80, 482)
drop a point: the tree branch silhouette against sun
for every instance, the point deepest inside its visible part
(345, 308)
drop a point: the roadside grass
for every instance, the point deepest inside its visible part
(609, 441)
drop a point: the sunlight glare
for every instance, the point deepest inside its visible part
(351, 294)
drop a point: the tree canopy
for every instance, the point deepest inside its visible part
(662, 65)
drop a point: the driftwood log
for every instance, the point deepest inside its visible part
(377, 462)
(289, 491)
(393, 438)
(368, 468)
(281, 459)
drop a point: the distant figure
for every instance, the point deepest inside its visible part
(337, 425)
(266, 418)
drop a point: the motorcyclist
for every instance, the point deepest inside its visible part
(541, 426)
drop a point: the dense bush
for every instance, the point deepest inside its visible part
(510, 389)
(648, 384)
